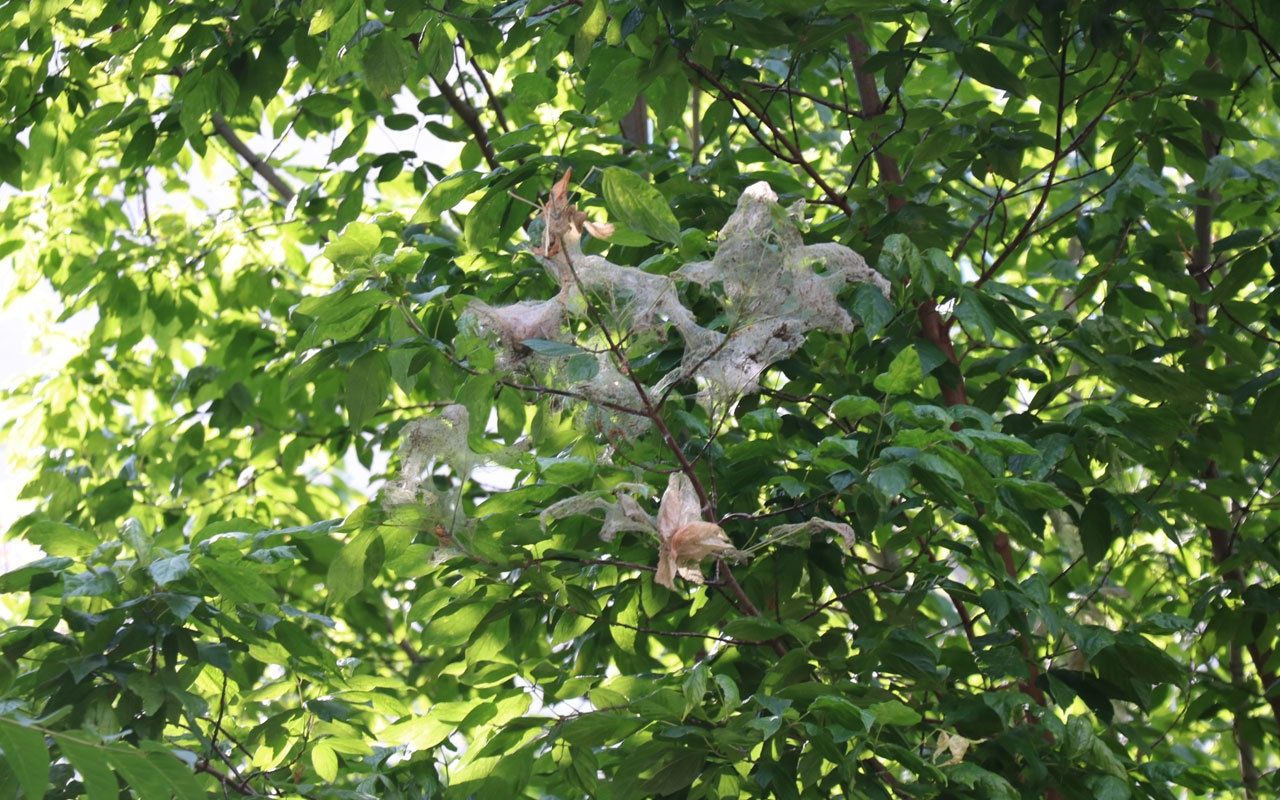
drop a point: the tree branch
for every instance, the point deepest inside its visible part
(652, 411)
(498, 113)
(635, 123)
(1221, 540)
(932, 326)
(780, 146)
(471, 118)
(241, 787)
(255, 162)
(872, 107)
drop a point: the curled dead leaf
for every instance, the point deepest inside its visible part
(683, 552)
(687, 539)
(563, 220)
(954, 745)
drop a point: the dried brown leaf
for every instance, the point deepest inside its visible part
(687, 539)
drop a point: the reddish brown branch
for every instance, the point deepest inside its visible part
(256, 163)
(872, 107)
(935, 330)
(1221, 540)
(635, 123)
(498, 113)
(932, 327)
(471, 118)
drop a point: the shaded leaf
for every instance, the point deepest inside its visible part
(634, 202)
(27, 755)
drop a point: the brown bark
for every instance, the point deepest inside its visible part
(936, 330)
(1222, 541)
(255, 162)
(635, 125)
(933, 328)
(471, 118)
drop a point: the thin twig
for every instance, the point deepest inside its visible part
(790, 90)
(226, 780)
(498, 113)
(781, 146)
(1059, 153)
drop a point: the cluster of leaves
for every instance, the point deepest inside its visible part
(998, 508)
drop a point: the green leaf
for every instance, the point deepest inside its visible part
(895, 712)
(446, 194)
(1097, 528)
(141, 540)
(238, 583)
(891, 479)
(840, 709)
(10, 165)
(386, 64)
(854, 407)
(936, 464)
(357, 243)
(1035, 494)
(581, 368)
(637, 204)
(904, 375)
(491, 220)
(141, 146)
(593, 16)
(678, 770)
(1205, 508)
(694, 687)
(599, 728)
(155, 774)
(60, 539)
(323, 104)
(585, 769)
(565, 470)
(89, 759)
(325, 761)
(423, 732)
(168, 570)
(872, 309)
(754, 629)
(729, 694)
(25, 751)
(984, 66)
(1109, 787)
(35, 575)
(346, 573)
(215, 654)
(990, 784)
(368, 382)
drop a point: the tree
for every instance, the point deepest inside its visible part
(896, 419)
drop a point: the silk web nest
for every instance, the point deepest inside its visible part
(776, 289)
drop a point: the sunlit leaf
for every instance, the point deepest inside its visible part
(634, 202)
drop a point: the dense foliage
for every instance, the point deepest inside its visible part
(600, 399)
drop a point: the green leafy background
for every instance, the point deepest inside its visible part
(1055, 442)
